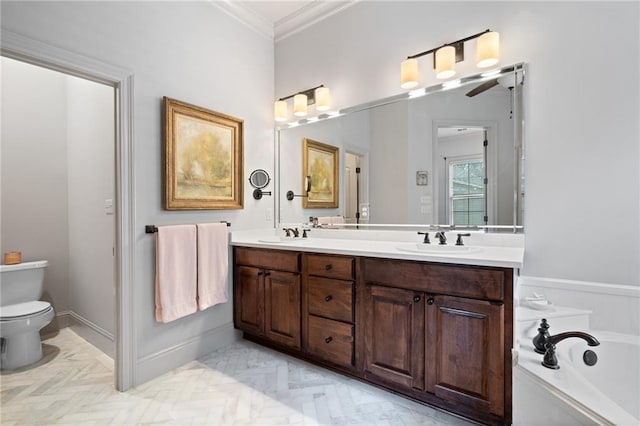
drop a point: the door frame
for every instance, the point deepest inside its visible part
(18, 47)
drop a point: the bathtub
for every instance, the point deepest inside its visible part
(607, 393)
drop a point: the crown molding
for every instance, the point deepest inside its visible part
(304, 17)
(246, 16)
(308, 15)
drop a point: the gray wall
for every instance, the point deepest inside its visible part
(34, 172)
(91, 177)
(194, 52)
(582, 109)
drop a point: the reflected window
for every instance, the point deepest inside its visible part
(466, 191)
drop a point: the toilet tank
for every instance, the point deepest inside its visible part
(23, 282)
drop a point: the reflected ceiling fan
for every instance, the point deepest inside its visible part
(483, 87)
(506, 81)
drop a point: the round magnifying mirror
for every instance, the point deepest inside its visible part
(259, 179)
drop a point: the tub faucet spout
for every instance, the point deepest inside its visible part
(591, 341)
(550, 360)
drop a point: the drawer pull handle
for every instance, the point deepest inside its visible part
(416, 299)
(328, 267)
(328, 298)
(430, 301)
(328, 339)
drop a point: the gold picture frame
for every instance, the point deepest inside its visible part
(203, 158)
(320, 165)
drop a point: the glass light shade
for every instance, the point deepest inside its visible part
(488, 49)
(280, 110)
(409, 73)
(445, 62)
(323, 98)
(300, 105)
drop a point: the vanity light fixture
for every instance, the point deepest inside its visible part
(446, 56)
(319, 95)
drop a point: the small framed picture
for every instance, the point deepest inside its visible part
(422, 178)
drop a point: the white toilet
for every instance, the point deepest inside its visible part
(22, 315)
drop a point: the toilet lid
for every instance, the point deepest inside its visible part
(23, 309)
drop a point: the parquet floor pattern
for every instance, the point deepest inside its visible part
(243, 384)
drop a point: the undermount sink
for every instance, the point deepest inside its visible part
(438, 249)
(282, 240)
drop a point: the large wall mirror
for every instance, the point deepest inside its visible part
(451, 154)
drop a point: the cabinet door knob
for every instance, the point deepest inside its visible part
(261, 273)
(266, 274)
(328, 339)
(328, 298)
(328, 267)
(416, 299)
(430, 301)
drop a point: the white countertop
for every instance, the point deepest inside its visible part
(485, 250)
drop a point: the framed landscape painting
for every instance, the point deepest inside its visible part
(320, 165)
(203, 158)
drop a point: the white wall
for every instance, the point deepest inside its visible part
(34, 172)
(581, 132)
(91, 181)
(189, 51)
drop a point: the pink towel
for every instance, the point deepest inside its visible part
(175, 272)
(213, 264)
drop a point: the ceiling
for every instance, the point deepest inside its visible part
(279, 19)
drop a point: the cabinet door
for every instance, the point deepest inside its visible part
(282, 307)
(249, 299)
(394, 336)
(465, 352)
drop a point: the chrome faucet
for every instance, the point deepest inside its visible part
(543, 339)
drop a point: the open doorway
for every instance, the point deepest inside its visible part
(354, 188)
(464, 174)
(35, 52)
(58, 191)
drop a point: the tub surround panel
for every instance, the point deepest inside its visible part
(614, 307)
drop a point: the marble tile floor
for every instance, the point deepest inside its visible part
(243, 384)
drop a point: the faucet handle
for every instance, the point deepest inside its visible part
(286, 232)
(304, 233)
(540, 341)
(426, 237)
(459, 241)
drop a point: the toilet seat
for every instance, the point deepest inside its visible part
(21, 310)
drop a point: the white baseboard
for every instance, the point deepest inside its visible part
(92, 333)
(614, 307)
(153, 365)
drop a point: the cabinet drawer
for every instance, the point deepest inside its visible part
(330, 298)
(340, 267)
(271, 259)
(455, 280)
(330, 340)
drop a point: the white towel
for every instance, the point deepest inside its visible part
(330, 220)
(213, 264)
(176, 271)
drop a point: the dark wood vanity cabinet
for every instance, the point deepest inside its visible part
(267, 295)
(428, 344)
(327, 308)
(438, 333)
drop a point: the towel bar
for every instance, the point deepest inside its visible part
(152, 229)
